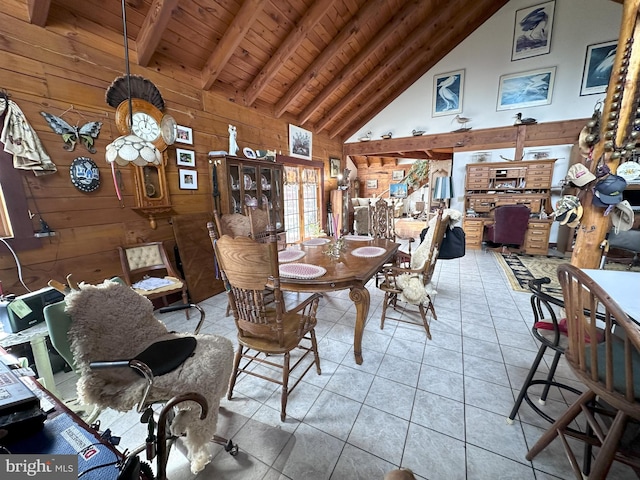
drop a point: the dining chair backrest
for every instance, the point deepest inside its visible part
(381, 220)
(426, 254)
(250, 271)
(604, 343)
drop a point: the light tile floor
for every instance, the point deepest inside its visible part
(437, 407)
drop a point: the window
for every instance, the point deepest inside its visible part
(302, 201)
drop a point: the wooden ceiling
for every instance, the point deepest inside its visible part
(327, 65)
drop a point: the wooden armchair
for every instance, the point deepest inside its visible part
(266, 329)
(609, 366)
(150, 260)
(412, 285)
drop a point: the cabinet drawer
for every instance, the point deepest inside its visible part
(479, 170)
(478, 184)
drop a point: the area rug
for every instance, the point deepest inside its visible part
(522, 268)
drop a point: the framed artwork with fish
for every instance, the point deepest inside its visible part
(598, 63)
(532, 31)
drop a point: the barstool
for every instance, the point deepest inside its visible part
(547, 330)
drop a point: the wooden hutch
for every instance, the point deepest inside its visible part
(490, 185)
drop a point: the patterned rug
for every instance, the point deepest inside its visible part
(522, 268)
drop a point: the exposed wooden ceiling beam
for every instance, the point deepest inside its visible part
(39, 12)
(152, 29)
(236, 32)
(419, 64)
(291, 43)
(365, 15)
(398, 22)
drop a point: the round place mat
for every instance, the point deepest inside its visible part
(316, 241)
(358, 238)
(290, 255)
(301, 270)
(368, 252)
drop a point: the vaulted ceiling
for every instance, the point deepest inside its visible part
(331, 65)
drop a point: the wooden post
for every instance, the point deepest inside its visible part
(618, 106)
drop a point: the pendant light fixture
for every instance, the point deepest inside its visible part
(130, 148)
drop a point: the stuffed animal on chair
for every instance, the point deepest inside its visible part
(111, 322)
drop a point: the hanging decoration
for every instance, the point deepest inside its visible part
(85, 175)
(139, 86)
(86, 134)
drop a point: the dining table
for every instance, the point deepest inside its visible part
(623, 286)
(351, 267)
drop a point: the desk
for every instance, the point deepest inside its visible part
(622, 286)
(36, 336)
(347, 271)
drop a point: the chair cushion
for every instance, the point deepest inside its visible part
(619, 370)
(157, 357)
(139, 257)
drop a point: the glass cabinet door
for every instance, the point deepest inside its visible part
(249, 186)
(235, 178)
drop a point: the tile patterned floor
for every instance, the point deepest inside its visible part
(437, 407)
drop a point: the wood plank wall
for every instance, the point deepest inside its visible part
(72, 64)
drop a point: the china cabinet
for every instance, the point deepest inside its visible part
(241, 182)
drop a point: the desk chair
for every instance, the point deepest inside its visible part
(150, 259)
(126, 357)
(266, 330)
(509, 226)
(413, 285)
(608, 365)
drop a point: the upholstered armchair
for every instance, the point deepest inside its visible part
(510, 225)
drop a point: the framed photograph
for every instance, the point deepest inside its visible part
(185, 158)
(597, 67)
(447, 93)
(479, 157)
(299, 142)
(397, 175)
(372, 184)
(188, 179)
(527, 89)
(334, 167)
(398, 190)
(184, 135)
(532, 31)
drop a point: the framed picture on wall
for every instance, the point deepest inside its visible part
(398, 190)
(532, 31)
(372, 184)
(598, 63)
(334, 167)
(527, 89)
(188, 179)
(397, 175)
(184, 135)
(185, 158)
(447, 93)
(299, 142)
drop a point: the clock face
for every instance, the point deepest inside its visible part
(145, 123)
(169, 129)
(145, 126)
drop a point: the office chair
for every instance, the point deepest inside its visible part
(267, 329)
(608, 364)
(509, 226)
(126, 357)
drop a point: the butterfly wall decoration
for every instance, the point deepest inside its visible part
(74, 134)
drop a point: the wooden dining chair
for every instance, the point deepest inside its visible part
(412, 285)
(381, 225)
(150, 260)
(608, 364)
(266, 330)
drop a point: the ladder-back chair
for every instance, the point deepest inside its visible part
(604, 354)
(266, 328)
(412, 285)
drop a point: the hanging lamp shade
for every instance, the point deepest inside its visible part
(442, 189)
(132, 149)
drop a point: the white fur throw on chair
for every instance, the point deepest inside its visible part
(112, 322)
(413, 291)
